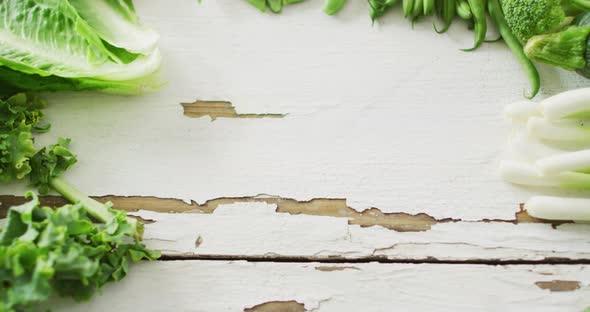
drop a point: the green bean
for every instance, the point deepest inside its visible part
(463, 10)
(495, 11)
(418, 9)
(581, 4)
(446, 11)
(428, 7)
(286, 2)
(260, 4)
(276, 6)
(478, 10)
(379, 7)
(408, 5)
(332, 7)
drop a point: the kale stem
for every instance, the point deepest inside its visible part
(93, 207)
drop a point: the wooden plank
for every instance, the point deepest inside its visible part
(257, 230)
(399, 127)
(210, 286)
(272, 228)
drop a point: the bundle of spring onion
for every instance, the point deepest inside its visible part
(554, 32)
(550, 147)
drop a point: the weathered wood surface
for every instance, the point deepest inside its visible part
(309, 138)
(204, 286)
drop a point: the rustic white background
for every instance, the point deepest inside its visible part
(381, 115)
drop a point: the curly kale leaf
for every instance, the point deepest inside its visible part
(45, 252)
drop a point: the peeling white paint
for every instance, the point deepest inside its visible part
(210, 286)
(255, 229)
(384, 116)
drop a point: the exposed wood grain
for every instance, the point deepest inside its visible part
(558, 285)
(219, 109)
(209, 286)
(277, 306)
(335, 268)
(326, 207)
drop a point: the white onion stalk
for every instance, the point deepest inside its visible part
(559, 208)
(522, 110)
(570, 104)
(559, 132)
(570, 161)
(525, 174)
(530, 148)
(522, 173)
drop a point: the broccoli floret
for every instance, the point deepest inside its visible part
(527, 18)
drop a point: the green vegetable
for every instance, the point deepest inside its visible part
(408, 5)
(20, 116)
(446, 10)
(63, 45)
(463, 10)
(567, 49)
(260, 4)
(332, 7)
(379, 7)
(495, 11)
(95, 43)
(528, 18)
(478, 10)
(559, 208)
(45, 252)
(552, 152)
(275, 6)
(428, 7)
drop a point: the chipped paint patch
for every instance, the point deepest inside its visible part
(219, 109)
(277, 306)
(558, 285)
(325, 207)
(335, 268)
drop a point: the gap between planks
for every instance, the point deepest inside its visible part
(373, 259)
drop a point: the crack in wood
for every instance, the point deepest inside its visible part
(335, 268)
(377, 259)
(219, 109)
(325, 207)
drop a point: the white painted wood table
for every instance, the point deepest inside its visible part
(356, 173)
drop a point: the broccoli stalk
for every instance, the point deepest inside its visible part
(565, 49)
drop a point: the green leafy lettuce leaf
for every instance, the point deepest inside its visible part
(116, 23)
(50, 38)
